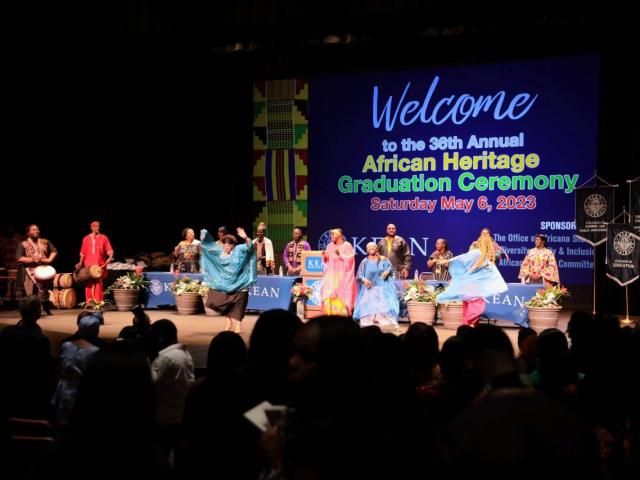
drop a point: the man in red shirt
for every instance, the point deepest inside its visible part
(96, 250)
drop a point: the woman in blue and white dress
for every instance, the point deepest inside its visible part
(474, 277)
(377, 300)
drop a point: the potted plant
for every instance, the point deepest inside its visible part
(421, 301)
(451, 313)
(126, 290)
(544, 307)
(301, 293)
(189, 294)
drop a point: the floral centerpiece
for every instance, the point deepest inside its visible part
(548, 297)
(419, 291)
(421, 301)
(190, 285)
(129, 281)
(189, 294)
(544, 307)
(126, 289)
(301, 292)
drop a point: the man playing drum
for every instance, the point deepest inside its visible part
(34, 256)
(96, 250)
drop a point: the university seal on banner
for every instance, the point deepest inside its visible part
(595, 205)
(624, 243)
(156, 287)
(316, 288)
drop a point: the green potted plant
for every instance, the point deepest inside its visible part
(544, 307)
(126, 290)
(421, 301)
(189, 294)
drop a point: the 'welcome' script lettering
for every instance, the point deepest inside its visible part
(458, 110)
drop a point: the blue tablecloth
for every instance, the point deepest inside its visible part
(507, 306)
(269, 291)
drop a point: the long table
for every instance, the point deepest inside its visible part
(269, 292)
(507, 306)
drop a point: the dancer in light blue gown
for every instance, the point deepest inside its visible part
(473, 277)
(377, 300)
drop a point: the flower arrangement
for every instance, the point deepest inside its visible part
(190, 285)
(301, 292)
(130, 281)
(419, 291)
(548, 297)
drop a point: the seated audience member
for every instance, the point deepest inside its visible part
(26, 366)
(172, 372)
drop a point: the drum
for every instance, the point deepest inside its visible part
(44, 272)
(63, 280)
(65, 298)
(86, 274)
(95, 271)
(82, 275)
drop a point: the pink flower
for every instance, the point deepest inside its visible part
(138, 271)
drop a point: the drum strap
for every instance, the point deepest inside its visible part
(36, 248)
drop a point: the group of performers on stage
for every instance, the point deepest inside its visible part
(35, 255)
(369, 295)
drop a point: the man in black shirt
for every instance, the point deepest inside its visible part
(30, 254)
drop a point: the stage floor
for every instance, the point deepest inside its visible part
(196, 331)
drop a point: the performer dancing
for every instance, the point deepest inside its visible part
(498, 251)
(338, 291)
(292, 255)
(539, 266)
(395, 248)
(377, 300)
(96, 250)
(473, 277)
(442, 252)
(229, 270)
(30, 254)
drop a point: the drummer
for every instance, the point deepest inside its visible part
(96, 250)
(32, 253)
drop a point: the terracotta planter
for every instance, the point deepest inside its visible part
(188, 303)
(451, 315)
(541, 318)
(126, 299)
(422, 312)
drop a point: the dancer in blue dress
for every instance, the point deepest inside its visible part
(229, 270)
(473, 277)
(377, 300)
